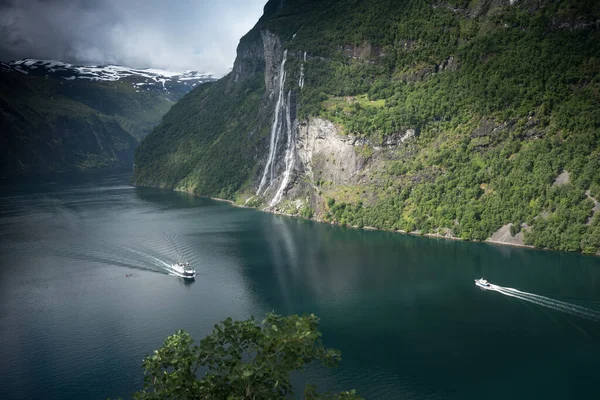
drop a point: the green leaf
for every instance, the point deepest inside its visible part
(247, 373)
(266, 359)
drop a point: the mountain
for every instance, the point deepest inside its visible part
(171, 83)
(475, 119)
(56, 116)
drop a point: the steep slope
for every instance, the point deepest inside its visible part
(452, 118)
(56, 116)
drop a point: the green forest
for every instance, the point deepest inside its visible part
(503, 98)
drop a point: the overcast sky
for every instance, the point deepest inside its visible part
(177, 35)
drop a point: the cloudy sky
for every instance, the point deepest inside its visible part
(177, 35)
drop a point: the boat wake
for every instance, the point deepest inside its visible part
(177, 274)
(165, 266)
(149, 253)
(569, 308)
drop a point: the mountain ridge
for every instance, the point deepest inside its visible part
(141, 78)
(450, 119)
(56, 116)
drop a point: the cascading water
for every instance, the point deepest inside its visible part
(290, 153)
(282, 120)
(301, 80)
(275, 128)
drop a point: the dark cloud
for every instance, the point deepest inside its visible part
(184, 34)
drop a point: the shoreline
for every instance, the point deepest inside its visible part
(367, 228)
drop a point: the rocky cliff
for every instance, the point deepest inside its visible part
(450, 119)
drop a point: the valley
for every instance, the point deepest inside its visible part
(61, 117)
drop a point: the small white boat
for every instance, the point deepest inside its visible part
(482, 283)
(184, 270)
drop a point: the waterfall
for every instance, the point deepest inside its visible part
(301, 80)
(290, 154)
(275, 128)
(282, 120)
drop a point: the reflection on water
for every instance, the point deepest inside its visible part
(186, 283)
(403, 309)
(326, 262)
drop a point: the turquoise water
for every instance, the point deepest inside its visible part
(402, 309)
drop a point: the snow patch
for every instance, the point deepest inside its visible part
(109, 73)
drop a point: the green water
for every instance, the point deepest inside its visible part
(404, 310)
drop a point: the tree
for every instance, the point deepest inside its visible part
(239, 360)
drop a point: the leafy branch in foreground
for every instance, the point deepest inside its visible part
(239, 360)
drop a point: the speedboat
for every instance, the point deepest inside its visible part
(482, 283)
(184, 270)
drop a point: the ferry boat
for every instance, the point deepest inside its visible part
(184, 270)
(482, 283)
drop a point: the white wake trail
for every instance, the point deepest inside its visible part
(543, 301)
(574, 307)
(161, 263)
(168, 268)
(158, 262)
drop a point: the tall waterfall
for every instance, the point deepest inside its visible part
(275, 128)
(301, 80)
(290, 153)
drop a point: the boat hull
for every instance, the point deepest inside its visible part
(183, 271)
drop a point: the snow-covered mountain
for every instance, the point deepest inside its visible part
(142, 79)
(56, 116)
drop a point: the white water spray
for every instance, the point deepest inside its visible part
(275, 128)
(543, 301)
(157, 262)
(290, 153)
(301, 80)
(167, 267)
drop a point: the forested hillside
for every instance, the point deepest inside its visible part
(456, 118)
(54, 120)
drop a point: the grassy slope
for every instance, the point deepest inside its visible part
(515, 105)
(204, 143)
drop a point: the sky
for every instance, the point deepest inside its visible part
(175, 35)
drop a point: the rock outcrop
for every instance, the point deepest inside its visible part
(504, 236)
(562, 179)
(596, 208)
(324, 154)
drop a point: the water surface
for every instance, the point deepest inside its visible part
(404, 310)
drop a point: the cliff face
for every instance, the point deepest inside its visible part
(448, 118)
(323, 156)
